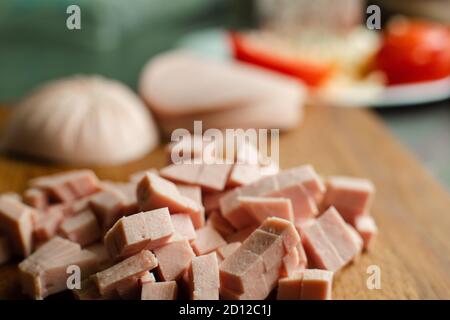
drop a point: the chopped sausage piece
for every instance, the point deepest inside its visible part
(291, 263)
(147, 277)
(267, 245)
(183, 227)
(5, 252)
(241, 234)
(222, 226)
(130, 205)
(367, 229)
(12, 195)
(289, 288)
(240, 271)
(102, 255)
(174, 259)
(108, 207)
(208, 240)
(252, 271)
(211, 177)
(316, 285)
(258, 291)
(47, 223)
(350, 196)
(191, 192)
(81, 228)
(155, 192)
(77, 206)
(320, 251)
(36, 198)
(45, 271)
(330, 243)
(131, 288)
(186, 173)
(337, 232)
(284, 229)
(242, 174)
(88, 291)
(108, 280)
(302, 185)
(294, 261)
(137, 176)
(68, 186)
(211, 200)
(227, 250)
(145, 230)
(231, 209)
(159, 291)
(261, 208)
(204, 277)
(303, 205)
(309, 178)
(194, 193)
(309, 284)
(16, 223)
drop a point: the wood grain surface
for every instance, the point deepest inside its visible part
(411, 208)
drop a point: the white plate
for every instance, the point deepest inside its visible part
(213, 43)
(416, 93)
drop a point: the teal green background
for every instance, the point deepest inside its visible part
(116, 38)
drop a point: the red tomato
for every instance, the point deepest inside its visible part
(415, 51)
(312, 74)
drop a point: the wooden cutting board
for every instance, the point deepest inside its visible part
(411, 209)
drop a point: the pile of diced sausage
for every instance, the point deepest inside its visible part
(188, 231)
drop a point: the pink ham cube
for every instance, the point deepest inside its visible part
(211, 177)
(183, 227)
(329, 242)
(5, 252)
(227, 250)
(36, 198)
(192, 192)
(261, 208)
(182, 173)
(204, 277)
(16, 223)
(242, 174)
(167, 290)
(208, 240)
(68, 186)
(108, 207)
(337, 232)
(350, 196)
(222, 226)
(316, 285)
(169, 267)
(108, 280)
(309, 284)
(241, 235)
(154, 192)
(47, 223)
(144, 230)
(366, 227)
(81, 228)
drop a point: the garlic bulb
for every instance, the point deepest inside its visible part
(82, 120)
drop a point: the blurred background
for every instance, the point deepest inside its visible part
(118, 37)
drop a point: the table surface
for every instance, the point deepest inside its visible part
(425, 130)
(411, 208)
